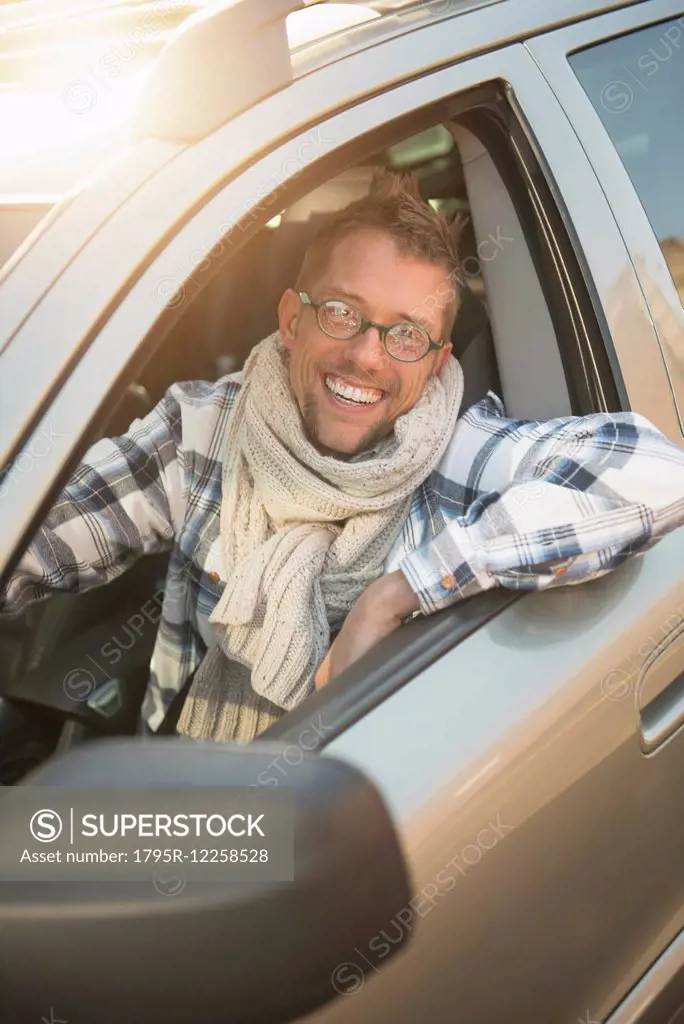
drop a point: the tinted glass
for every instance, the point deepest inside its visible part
(636, 83)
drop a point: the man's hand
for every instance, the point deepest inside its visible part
(377, 613)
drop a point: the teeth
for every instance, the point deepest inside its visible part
(362, 395)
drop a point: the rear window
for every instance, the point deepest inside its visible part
(636, 83)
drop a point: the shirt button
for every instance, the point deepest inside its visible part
(214, 577)
(559, 569)
(448, 582)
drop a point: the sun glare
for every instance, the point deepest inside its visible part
(76, 110)
(56, 137)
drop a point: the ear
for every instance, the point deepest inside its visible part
(288, 315)
(442, 357)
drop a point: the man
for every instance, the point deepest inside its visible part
(332, 485)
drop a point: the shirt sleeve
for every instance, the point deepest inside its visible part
(124, 500)
(566, 501)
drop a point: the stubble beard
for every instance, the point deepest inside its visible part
(309, 414)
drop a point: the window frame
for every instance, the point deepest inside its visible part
(552, 52)
(594, 381)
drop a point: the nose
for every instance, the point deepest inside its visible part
(367, 351)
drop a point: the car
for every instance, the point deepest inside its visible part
(488, 812)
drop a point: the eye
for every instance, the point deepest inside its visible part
(408, 339)
(339, 318)
(341, 312)
(411, 332)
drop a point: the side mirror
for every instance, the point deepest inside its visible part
(235, 952)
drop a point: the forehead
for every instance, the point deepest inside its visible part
(370, 265)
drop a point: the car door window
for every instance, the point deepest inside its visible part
(636, 84)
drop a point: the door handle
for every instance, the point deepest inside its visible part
(663, 714)
(660, 697)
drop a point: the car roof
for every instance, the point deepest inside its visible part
(400, 17)
(181, 104)
(28, 28)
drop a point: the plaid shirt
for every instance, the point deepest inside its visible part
(513, 503)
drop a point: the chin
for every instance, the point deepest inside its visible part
(330, 443)
(332, 437)
(333, 448)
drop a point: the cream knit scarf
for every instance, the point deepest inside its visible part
(302, 535)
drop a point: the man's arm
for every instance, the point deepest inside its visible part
(556, 502)
(124, 500)
(567, 501)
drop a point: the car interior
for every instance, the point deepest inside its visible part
(494, 337)
(503, 327)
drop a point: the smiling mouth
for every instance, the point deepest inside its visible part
(350, 394)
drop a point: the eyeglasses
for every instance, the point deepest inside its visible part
(405, 341)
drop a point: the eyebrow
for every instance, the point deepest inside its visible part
(342, 294)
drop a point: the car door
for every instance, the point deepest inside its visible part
(512, 762)
(620, 78)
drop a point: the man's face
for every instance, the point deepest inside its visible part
(367, 270)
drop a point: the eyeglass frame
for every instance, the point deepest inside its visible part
(382, 330)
